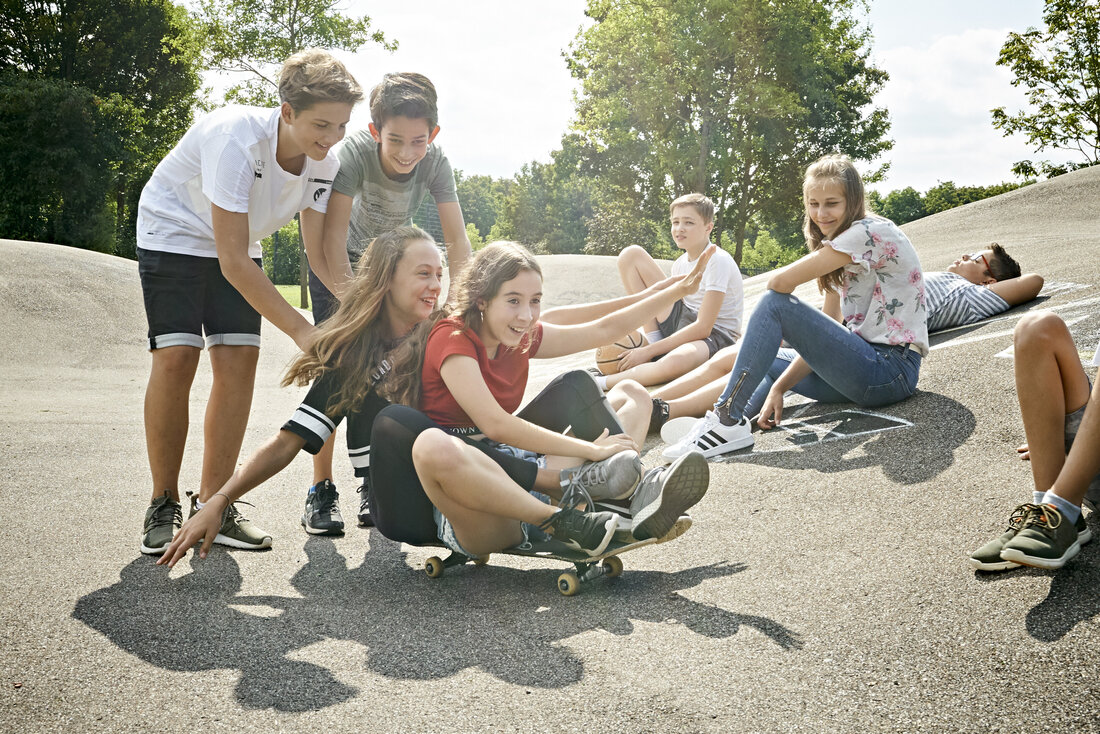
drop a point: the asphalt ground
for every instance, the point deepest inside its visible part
(823, 587)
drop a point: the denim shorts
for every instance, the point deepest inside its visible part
(187, 296)
(1073, 424)
(683, 315)
(446, 532)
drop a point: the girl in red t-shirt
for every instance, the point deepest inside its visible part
(474, 373)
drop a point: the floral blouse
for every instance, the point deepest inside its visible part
(882, 295)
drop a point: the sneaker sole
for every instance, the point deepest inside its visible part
(675, 429)
(686, 484)
(321, 531)
(1049, 564)
(1001, 565)
(225, 540)
(153, 551)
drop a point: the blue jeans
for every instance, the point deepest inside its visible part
(845, 366)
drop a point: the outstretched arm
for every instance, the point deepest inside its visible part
(584, 312)
(269, 460)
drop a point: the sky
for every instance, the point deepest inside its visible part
(506, 96)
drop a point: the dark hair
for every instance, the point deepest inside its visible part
(1001, 264)
(404, 94)
(703, 205)
(314, 76)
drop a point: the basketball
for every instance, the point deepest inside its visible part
(607, 356)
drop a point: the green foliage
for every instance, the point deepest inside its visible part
(764, 254)
(906, 205)
(616, 225)
(730, 97)
(481, 199)
(476, 240)
(281, 255)
(254, 37)
(901, 206)
(1060, 68)
(124, 77)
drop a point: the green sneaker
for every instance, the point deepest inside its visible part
(236, 530)
(1046, 540)
(988, 557)
(162, 520)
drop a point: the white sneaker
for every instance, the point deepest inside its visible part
(674, 429)
(710, 437)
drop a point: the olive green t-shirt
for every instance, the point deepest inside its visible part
(383, 203)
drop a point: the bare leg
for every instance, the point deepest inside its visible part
(1050, 383)
(234, 369)
(674, 364)
(322, 461)
(717, 367)
(633, 408)
(484, 506)
(166, 415)
(1083, 462)
(697, 403)
(638, 270)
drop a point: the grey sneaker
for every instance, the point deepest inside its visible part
(322, 513)
(1046, 539)
(988, 557)
(611, 479)
(588, 532)
(666, 492)
(162, 520)
(236, 531)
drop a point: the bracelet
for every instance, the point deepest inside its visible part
(228, 502)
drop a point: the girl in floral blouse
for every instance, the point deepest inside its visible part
(866, 343)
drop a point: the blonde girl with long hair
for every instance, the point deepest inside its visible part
(396, 286)
(866, 343)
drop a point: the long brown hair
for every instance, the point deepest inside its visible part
(481, 281)
(837, 169)
(355, 339)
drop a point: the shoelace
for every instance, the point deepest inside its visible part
(574, 494)
(1020, 515)
(170, 513)
(701, 427)
(1046, 517)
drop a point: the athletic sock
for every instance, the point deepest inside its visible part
(601, 382)
(1038, 497)
(654, 336)
(1069, 510)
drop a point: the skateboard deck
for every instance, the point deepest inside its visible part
(587, 568)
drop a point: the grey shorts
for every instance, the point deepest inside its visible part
(683, 315)
(446, 531)
(1073, 424)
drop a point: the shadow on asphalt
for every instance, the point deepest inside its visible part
(511, 623)
(1074, 595)
(910, 454)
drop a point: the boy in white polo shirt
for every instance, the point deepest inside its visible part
(235, 177)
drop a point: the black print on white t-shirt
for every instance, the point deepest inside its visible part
(318, 192)
(321, 180)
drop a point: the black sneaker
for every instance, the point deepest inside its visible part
(365, 520)
(322, 515)
(659, 417)
(588, 532)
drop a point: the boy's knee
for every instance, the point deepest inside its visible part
(176, 360)
(1039, 330)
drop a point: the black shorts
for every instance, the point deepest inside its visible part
(683, 315)
(187, 296)
(321, 300)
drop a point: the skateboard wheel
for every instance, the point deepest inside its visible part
(612, 566)
(568, 584)
(481, 560)
(434, 567)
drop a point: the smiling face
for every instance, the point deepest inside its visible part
(826, 206)
(973, 268)
(314, 130)
(689, 230)
(402, 143)
(512, 311)
(414, 290)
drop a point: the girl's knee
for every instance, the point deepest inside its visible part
(434, 449)
(1039, 329)
(627, 391)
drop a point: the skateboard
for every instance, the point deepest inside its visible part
(587, 568)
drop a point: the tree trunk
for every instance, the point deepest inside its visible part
(303, 264)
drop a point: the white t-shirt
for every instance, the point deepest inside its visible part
(882, 294)
(722, 275)
(227, 158)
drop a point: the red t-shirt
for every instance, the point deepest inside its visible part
(505, 374)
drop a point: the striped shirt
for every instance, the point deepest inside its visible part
(954, 301)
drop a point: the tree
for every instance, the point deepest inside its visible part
(1060, 68)
(482, 198)
(253, 37)
(732, 98)
(138, 59)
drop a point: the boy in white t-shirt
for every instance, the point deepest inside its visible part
(698, 325)
(235, 177)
